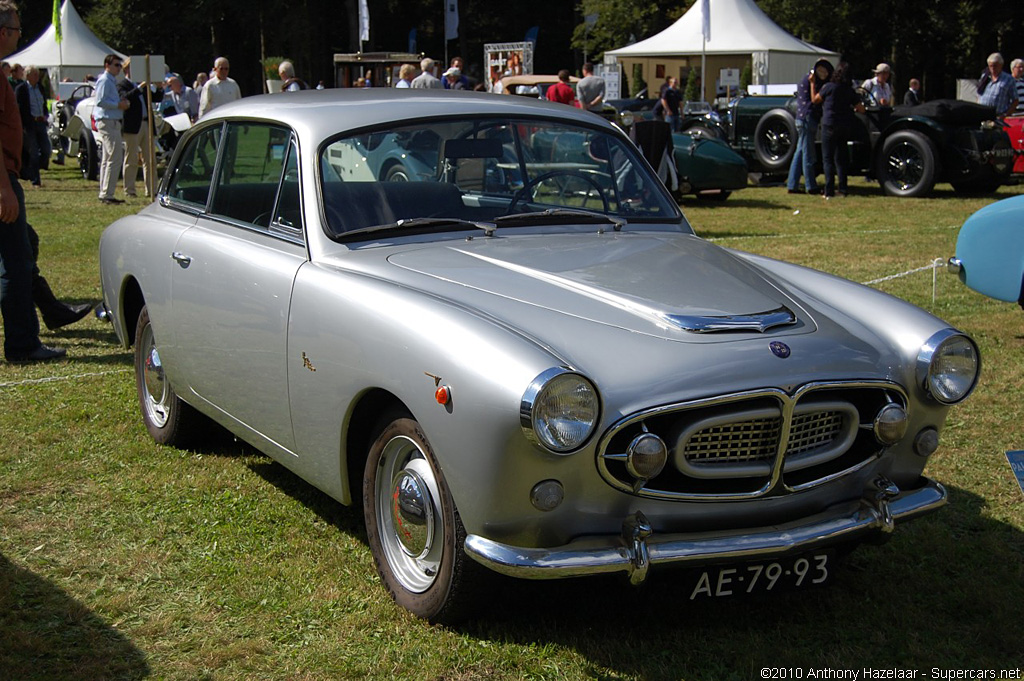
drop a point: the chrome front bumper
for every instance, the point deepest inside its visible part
(637, 548)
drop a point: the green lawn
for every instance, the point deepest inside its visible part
(123, 559)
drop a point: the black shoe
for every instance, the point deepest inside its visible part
(111, 201)
(794, 191)
(40, 354)
(65, 314)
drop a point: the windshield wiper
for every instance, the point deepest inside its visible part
(559, 215)
(413, 225)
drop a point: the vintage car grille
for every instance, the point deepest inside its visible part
(754, 444)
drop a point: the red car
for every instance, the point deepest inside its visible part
(1015, 129)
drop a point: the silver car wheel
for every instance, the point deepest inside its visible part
(154, 381)
(408, 513)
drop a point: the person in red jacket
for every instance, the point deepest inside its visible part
(561, 91)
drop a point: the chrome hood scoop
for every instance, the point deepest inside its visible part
(667, 285)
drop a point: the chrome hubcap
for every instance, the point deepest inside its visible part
(153, 380)
(409, 514)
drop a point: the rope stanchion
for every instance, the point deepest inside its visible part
(934, 266)
(55, 379)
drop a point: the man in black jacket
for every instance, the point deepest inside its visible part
(135, 131)
(32, 106)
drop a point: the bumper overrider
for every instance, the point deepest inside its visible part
(637, 548)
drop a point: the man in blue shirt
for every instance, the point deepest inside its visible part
(996, 88)
(109, 115)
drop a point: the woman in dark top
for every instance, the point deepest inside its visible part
(838, 102)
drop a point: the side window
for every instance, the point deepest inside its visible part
(250, 172)
(191, 178)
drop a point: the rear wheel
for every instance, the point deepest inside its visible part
(775, 140)
(396, 173)
(88, 156)
(413, 528)
(169, 420)
(907, 165)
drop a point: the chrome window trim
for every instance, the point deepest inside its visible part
(789, 404)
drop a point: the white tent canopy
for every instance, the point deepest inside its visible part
(738, 27)
(79, 53)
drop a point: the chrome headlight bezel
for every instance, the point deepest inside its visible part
(944, 386)
(535, 415)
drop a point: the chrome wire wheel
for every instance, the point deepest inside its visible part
(154, 383)
(906, 165)
(409, 514)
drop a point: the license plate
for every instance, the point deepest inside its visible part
(764, 577)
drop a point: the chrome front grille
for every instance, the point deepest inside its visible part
(752, 440)
(753, 444)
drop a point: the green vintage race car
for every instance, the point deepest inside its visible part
(907, 149)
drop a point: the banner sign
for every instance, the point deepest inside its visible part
(506, 59)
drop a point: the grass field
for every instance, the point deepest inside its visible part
(120, 559)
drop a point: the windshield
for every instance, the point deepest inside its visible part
(447, 174)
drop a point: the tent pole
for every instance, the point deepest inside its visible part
(150, 155)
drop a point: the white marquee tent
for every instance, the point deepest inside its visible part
(78, 54)
(739, 32)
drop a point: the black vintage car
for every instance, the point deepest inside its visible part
(907, 149)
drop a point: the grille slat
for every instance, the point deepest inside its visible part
(758, 439)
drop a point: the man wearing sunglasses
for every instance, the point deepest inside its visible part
(109, 117)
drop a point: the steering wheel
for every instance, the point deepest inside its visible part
(866, 98)
(519, 195)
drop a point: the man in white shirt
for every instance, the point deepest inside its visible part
(220, 89)
(109, 116)
(879, 86)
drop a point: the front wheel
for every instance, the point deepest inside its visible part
(169, 420)
(88, 156)
(413, 528)
(775, 140)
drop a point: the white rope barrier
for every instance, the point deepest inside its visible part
(934, 266)
(55, 379)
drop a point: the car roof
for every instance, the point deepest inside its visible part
(317, 114)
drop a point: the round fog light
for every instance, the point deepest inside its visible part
(926, 442)
(547, 495)
(890, 424)
(646, 456)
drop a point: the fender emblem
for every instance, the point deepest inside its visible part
(779, 349)
(306, 363)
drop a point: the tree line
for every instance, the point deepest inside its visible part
(936, 41)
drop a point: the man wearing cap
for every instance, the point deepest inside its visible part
(453, 79)
(879, 86)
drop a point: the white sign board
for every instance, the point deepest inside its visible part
(729, 77)
(157, 68)
(612, 80)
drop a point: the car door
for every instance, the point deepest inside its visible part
(233, 283)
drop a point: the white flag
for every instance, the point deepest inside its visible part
(705, 11)
(364, 22)
(451, 19)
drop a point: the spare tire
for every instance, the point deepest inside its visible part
(775, 140)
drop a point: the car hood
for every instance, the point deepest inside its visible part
(677, 287)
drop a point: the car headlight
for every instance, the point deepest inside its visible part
(948, 366)
(559, 410)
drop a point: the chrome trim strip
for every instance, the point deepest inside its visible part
(638, 548)
(788, 404)
(758, 321)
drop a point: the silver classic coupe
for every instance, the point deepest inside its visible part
(486, 322)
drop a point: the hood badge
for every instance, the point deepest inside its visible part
(779, 349)
(758, 321)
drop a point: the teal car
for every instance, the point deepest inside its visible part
(990, 251)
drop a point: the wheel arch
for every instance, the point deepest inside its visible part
(132, 302)
(362, 427)
(935, 133)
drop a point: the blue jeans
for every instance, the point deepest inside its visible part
(674, 122)
(21, 326)
(804, 158)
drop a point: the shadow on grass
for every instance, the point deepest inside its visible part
(46, 634)
(734, 202)
(945, 592)
(348, 519)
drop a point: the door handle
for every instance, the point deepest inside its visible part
(181, 259)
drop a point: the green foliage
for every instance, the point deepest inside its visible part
(270, 66)
(746, 76)
(637, 83)
(692, 91)
(621, 22)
